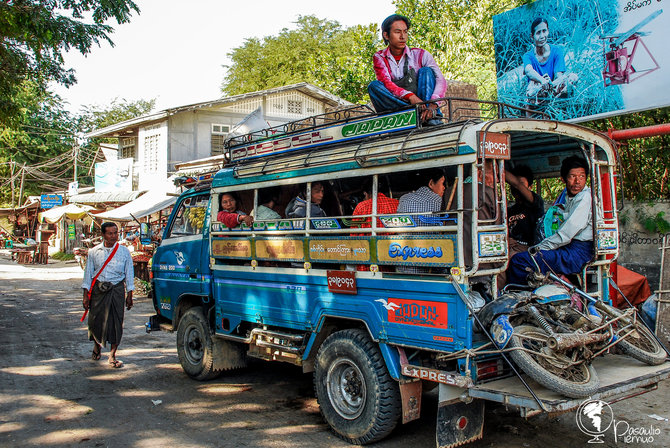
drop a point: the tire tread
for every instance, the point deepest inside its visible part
(388, 412)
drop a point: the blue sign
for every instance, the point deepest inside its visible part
(51, 200)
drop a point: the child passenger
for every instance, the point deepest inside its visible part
(267, 200)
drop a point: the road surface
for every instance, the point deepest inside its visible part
(53, 395)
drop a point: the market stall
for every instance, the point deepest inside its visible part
(148, 211)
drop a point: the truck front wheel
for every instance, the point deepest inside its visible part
(195, 346)
(357, 396)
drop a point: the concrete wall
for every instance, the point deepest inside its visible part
(639, 248)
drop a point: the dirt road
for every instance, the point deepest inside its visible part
(52, 394)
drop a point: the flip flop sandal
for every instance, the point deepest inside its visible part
(116, 364)
(95, 356)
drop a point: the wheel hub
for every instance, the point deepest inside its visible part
(346, 389)
(194, 348)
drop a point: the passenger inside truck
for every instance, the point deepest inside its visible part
(229, 212)
(487, 176)
(427, 198)
(523, 214)
(268, 201)
(297, 208)
(385, 205)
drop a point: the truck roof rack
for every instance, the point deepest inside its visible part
(358, 122)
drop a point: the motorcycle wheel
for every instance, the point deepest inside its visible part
(640, 343)
(548, 368)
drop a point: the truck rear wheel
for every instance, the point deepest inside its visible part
(195, 346)
(357, 396)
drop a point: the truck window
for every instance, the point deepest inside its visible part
(190, 217)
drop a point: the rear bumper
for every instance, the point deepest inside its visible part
(620, 377)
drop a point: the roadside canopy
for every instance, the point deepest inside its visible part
(104, 197)
(69, 211)
(150, 202)
(14, 211)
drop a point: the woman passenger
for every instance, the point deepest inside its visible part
(230, 215)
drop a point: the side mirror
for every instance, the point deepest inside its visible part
(145, 234)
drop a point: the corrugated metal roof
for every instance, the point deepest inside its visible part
(101, 197)
(304, 87)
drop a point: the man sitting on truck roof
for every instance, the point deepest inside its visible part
(405, 75)
(569, 249)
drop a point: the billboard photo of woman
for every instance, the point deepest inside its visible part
(549, 58)
(544, 65)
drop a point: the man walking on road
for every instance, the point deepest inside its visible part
(108, 276)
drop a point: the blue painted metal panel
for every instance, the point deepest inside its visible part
(415, 313)
(181, 266)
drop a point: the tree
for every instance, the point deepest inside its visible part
(95, 117)
(644, 162)
(459, 35)
(37, 150)
(318, 51)
(40, 146)
(35, 33)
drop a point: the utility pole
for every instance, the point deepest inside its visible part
(11, 178)
(76, 156)
(23, 177)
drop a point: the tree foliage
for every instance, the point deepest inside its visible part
(34, 34)
(644, 163)
(318, 51)
(459, 35)
(38, 148)
(95, 117)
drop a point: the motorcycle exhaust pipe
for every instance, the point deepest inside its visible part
(562, 342)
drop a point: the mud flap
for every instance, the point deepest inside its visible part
(459, 423)
(228, 355)
(410, 393)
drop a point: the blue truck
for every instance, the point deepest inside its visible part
(377, 306)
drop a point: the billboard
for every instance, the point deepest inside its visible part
(114, 175)
(577, 60)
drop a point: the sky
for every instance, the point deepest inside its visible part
(174, 51)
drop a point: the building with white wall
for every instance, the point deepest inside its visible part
(159, 141)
